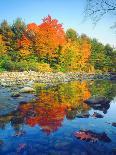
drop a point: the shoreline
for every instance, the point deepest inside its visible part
(30, 77)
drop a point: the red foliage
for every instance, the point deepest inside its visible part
(46, 112)
(24, 42)
(46, 36)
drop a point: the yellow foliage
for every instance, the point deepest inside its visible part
(44, 67)
(2, 46)
(24, 52)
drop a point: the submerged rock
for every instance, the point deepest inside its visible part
(1, 142)
(15, 94)
(97, 101)
(97, 115)
(84, 115)
(114, 124)
(92, 136)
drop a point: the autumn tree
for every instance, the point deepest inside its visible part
(18, 28)
(71, 35)
(7, 34)
(75, 54)
(48, 37)
(70, 56)
(85, 46)
(24, 46)
(3, 48)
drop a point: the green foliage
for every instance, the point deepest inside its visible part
(19, 49)
(103, 88)
(102, 57)
(71, 34)
(18, 28)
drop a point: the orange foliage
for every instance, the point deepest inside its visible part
(49, 110)
(24, 42)
(86, 49)
(46, 112)
(47, 36)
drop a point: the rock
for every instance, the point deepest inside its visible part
(71, 114)
(114, 151)
(92, 136)
(97, 100)
(15, 94)
(86, 115)
(98, 103)
(97, 115)
(114, 124)
(1, 142)
(62, 145)
(27, 90)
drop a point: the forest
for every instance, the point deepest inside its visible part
(47, 47)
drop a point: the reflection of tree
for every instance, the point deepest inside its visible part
(46, 112)
(50, 108)
(103, 88)
(74, 94)
(52, 105)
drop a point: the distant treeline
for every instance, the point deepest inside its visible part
(47, 47)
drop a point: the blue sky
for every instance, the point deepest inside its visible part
(68, 12)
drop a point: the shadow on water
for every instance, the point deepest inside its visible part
(48, 124)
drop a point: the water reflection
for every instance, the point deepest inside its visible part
(49, 110)
(56, 105)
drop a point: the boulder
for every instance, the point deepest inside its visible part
(27, 90)
(114, 124)
(97, 115)
(15, 94)
(92, 136)
(97, 101)
(83, 115)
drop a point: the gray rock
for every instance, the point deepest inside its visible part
(27, 90)
(97, 115)
(97, 100)
(114, 124)
(15, 94)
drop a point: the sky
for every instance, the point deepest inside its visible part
(68, 12)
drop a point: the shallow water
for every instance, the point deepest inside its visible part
(47, 125)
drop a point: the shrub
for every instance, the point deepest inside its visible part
(44, 67)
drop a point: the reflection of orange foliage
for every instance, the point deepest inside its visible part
(46, 112)
(52, 105)
(86, 93)
(75, 93)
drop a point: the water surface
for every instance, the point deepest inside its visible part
(46, 125)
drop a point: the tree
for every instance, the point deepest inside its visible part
(50, 36)
(85, 47)
(24, 46)
(7, 34)
(18, 28)
(71, 35)
(101, 56)
(98, 8)
(70, 56)
(3, 48)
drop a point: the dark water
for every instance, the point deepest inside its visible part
(47, 125)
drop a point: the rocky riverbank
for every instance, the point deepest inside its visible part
(30, 77)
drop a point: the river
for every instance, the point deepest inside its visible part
(47, 123)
